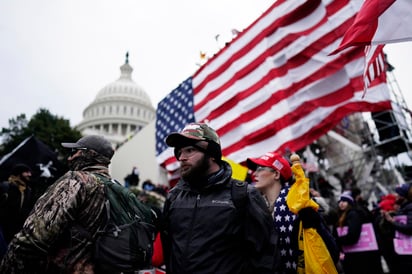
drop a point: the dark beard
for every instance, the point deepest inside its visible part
(197, 176)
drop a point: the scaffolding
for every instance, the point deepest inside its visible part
(373, 150)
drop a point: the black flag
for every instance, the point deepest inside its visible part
(42, 160)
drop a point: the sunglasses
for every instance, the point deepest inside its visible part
(261, 168)
(75, 150)
(186, 151)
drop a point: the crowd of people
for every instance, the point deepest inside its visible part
(208, 222)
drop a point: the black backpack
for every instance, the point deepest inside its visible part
(125, 243)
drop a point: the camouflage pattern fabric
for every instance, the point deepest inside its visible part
(50, 241)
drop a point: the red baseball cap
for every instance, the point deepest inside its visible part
(272, 160)
(387, 205)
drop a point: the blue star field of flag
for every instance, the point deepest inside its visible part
(284, 221)
(173, 113)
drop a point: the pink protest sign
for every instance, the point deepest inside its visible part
(367, 240)
(402, 242)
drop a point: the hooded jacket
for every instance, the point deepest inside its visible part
(206, 233)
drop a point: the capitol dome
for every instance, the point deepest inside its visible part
(120, 109)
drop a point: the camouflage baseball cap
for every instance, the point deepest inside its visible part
(193, 132)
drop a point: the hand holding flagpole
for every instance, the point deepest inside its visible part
(298, 196)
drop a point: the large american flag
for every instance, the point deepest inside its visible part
(275, 87)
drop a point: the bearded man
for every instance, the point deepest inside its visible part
(205, 231)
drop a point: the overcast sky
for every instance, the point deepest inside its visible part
(58, 54)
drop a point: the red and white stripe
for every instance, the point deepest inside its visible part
(375, 65)
(276, 88)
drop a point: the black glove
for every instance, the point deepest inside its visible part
(309, 217)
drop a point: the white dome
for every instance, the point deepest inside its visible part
(124, 88)
(119, 110)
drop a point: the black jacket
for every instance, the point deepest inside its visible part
(206, 233)
(358, 262)
(13, 212)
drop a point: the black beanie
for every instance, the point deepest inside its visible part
(19, 169)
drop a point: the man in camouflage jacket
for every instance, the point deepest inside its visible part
(56, 237)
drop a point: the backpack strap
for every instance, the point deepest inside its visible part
(239, 193)
(107, 182)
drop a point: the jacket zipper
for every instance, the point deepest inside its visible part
(189, 238)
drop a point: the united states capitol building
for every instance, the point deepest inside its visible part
(122, 112)
(120, 109)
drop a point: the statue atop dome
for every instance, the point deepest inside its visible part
(126, 69)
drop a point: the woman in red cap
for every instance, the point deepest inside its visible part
(273, 177)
